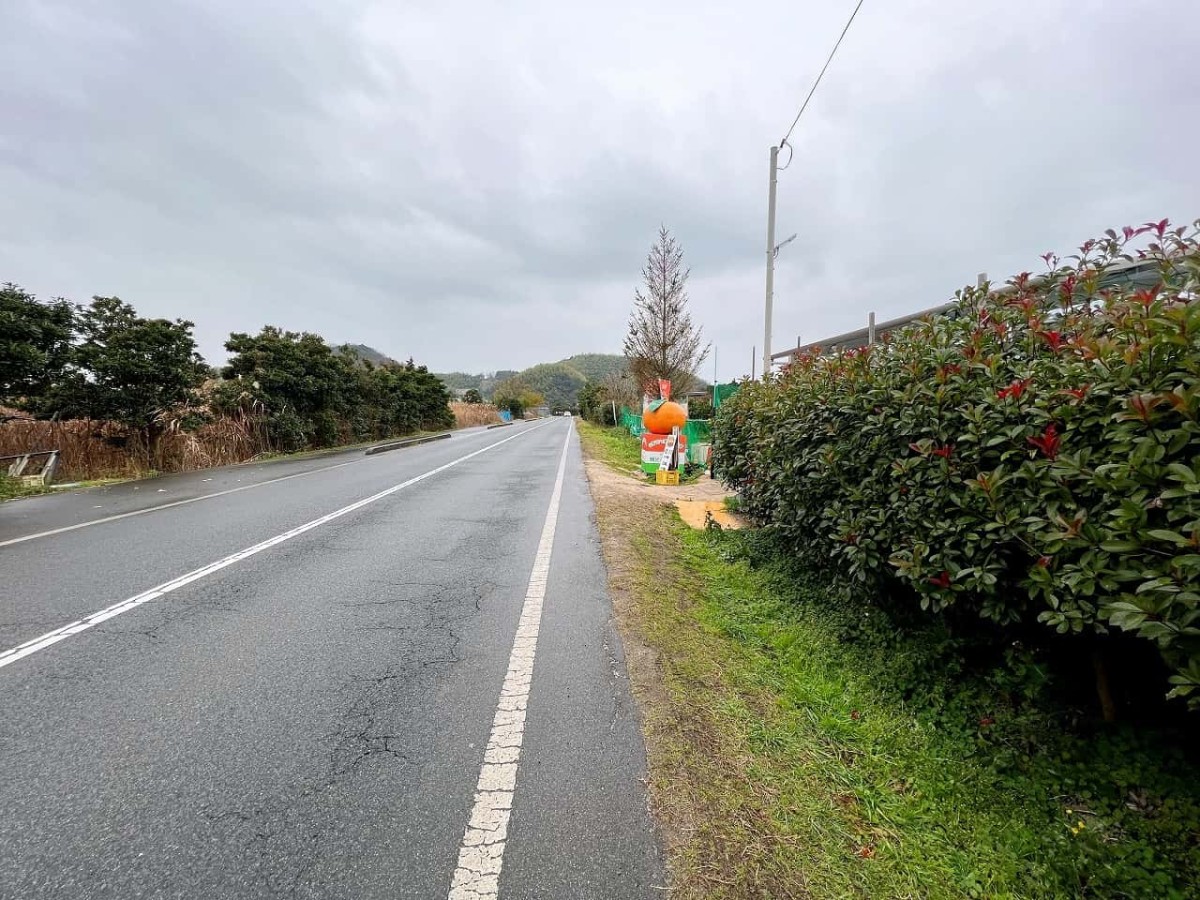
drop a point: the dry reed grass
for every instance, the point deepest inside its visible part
(467, 415)
(90, 449)
(104, 450)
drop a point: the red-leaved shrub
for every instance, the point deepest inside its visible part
(1034, 455)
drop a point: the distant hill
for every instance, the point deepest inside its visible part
(484, 382)
(559, 382)
(595, 366)
(362, 351)
(461, 381)
(592, 366)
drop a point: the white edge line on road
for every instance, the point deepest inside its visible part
(481, 856)
(149, 509)
(8, 657)
(141, 512)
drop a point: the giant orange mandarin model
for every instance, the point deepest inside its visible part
(659, 418)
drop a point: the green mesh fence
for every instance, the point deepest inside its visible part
(723, 392)
(697, 431)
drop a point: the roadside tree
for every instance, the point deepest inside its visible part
(35, 344)
(126, 369)
(662, 342)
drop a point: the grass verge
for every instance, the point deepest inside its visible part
(789, 759)
(14, 488)
(612, 446)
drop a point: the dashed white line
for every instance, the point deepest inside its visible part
(481, 856)
(8, 657)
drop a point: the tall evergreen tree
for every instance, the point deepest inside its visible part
(662, 342)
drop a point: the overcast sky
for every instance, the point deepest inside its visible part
(476, 184)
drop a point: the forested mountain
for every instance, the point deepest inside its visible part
(558, 382)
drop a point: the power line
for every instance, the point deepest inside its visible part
(822, 75)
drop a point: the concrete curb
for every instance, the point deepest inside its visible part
(501, 425)
(410, 442)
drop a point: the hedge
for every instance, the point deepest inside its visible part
(1032, 457)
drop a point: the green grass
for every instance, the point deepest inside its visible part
(823, 770)
(12, 488)
(613, 446)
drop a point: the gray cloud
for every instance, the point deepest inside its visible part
(476, 184)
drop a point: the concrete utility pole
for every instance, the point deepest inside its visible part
(770, 262)
(714, 397)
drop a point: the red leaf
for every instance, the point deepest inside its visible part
(1048, 442)
(1068, 287)
(1014, 390)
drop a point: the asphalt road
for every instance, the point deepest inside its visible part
(313, 710)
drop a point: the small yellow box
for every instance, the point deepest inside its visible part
(664, 477)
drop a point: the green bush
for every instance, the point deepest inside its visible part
(1034, 457)
(515, 408)
(310, 395)
(700, 408)
(595, 405)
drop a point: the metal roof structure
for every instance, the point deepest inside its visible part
(1139, 273)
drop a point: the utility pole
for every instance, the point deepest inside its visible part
(714, 400)
(753, 359)
(770, 262)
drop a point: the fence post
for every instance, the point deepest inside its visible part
(870, 328)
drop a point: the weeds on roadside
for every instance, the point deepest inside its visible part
(959, 767)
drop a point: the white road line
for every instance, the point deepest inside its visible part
(141, 512)
(477, 875)
(149, 509)
(8, 657)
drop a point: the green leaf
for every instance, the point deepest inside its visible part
(1120, 546)
(1182, 473)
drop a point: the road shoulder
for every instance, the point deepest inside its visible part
(715, 825)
